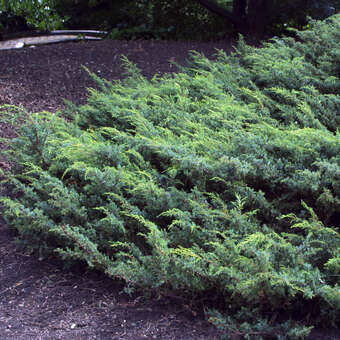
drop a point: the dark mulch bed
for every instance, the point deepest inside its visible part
(39, 299)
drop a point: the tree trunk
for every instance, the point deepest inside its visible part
(249, 20)
(239, 8)
(257, 17)
(240, 11)
(221, 11)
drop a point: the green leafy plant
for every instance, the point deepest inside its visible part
(38, 13)
(221, 181)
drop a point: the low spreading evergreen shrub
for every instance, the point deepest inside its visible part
(222, 181)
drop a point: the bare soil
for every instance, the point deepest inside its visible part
(40, 299)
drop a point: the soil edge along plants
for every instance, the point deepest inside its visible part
(221, 181)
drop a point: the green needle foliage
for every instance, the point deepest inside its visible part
(222, 181)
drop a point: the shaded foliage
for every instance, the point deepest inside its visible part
(164, 19)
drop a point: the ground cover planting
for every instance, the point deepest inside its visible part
(221, 181)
